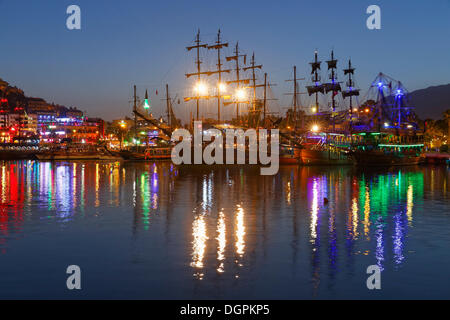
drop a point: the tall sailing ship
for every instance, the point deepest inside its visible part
(238, 86)
(327, 145)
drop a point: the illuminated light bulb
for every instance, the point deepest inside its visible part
(367, 110)
(315, 128)
(222, 87)
(241, 94)
(314, 109)
(201, 88)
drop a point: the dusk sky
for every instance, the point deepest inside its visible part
(122, 43)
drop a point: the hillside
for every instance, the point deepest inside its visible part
(431, 102)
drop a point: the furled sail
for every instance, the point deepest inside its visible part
(335, 87)
(315, 66)
(315, 89)
(350, 93)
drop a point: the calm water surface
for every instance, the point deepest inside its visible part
(152, 230)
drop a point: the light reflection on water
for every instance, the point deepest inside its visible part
(221, 242)
(308, 232)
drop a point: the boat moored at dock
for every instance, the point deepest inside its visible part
(386, 149)
(76, 152)
(20, 149)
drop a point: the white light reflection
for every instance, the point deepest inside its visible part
(409, 203)
(221, 242)
(367, 214)
(198, 244)
(314, 210)
(355, 217)
(398, 239)
(97, 185)
(288, 193)
(379, 252)
(240, 231)
(207, 193)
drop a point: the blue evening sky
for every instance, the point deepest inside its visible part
(122, 43)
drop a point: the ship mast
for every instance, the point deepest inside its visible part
(402, 109)
(135, 116)
(238, 81)
(220, 86)
(315, 78)
(253, 67)
(351, 91)
(172, 120)
(168, 107)
(265, 85)
(197, 46)
(295, 94)
(333, 86)
(265, 98)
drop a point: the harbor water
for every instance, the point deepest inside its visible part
(157, 231)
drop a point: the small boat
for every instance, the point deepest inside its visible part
(20, 149)
(67, 155)
(77, 152)
(149, 154)
(109, 156)
(158, 153)
(17, 152)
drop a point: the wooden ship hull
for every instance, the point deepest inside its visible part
(58, 155)
(147, 155)
(311, 156)
(77, 154)
(377, 158)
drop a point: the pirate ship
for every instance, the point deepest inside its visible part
(327, 143)
(387, 133)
